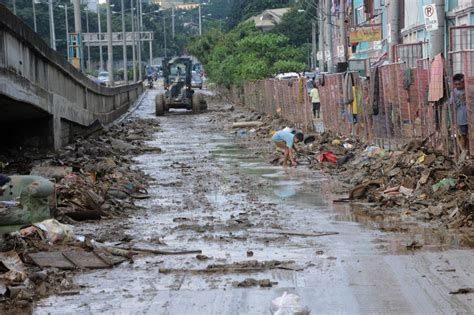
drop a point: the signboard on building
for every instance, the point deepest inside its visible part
(340, 51)
(431, 17)
(319, 55)
(365, 33)
(187, 6)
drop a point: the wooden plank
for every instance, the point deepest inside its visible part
(293, 232)
(51, 259)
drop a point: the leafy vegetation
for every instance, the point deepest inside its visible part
(246, 53)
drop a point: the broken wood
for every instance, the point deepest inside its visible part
(293, 233)
(159, 251)
(230, 270)
(246, 124)
(463, 291)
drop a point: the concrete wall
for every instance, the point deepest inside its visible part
(37, 84)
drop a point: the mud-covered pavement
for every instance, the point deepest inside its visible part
(253, 220)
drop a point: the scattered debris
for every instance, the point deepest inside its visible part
(463, 291)
(250, 282)
(288, 303)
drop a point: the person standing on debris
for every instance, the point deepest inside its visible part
(314, 94)
(284, 140)
(459, 101)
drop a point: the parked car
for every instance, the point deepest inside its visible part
(287, 76)
(309, 75)
(196, 80)
(103, 78)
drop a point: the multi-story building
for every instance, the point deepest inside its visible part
(411, 40)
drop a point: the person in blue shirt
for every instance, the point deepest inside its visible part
(285, 141)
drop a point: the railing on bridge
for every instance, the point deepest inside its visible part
(35, 78)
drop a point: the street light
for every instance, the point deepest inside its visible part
(34, 15)
(164, 33)
(52, 36)
(67, 29)
(101, 68)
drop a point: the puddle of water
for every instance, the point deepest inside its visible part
(299, 186)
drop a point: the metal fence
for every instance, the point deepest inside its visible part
(399, 112)
(285, 98)
(410, 53)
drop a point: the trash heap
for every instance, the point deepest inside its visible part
(416, 179)
(94, 179)
(94, 176)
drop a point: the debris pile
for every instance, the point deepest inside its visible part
(94, 178)
(416, 180)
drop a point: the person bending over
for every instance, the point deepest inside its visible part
(285, 140)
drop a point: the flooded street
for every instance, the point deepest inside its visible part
(210, 192)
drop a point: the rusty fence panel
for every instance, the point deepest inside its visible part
(404, 112)
(467, 58)
(284, 98)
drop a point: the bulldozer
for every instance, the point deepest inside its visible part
(177, 75)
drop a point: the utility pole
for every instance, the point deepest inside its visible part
(394, 31)
(67, 33)
(437, 36)
(164, 34)
(101, 58)
(78, 27)
(52, 36)
(151, 53)
(110, 52)
(124, 45)
(329, 36)
(34, 15)
(14, 7)
(343, 29)
(139, 13)
(88, 46)
(200, 20)
(313, 45)
(322, 45)
(172, 22)
(134, 59)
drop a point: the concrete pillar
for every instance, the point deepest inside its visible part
(343, 29)
(394, 10)
(437, 37)
(78, 30)
(329, 36)
(313, 45)
(321, 35)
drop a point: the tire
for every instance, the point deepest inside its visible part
(160, 105)
(203, 104)
(196, 100)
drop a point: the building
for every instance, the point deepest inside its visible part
(167, 4)
(405, 34)
(368, 19)
(267, 20)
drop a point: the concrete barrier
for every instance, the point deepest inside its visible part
(44, 100)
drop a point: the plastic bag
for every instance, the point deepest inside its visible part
(55, 231)
(288, 304)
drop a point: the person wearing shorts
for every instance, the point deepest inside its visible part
(284, 140)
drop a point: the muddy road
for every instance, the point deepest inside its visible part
(277, 228)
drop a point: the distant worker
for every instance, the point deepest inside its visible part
(314, 94)
(459, 101)
(285, 140)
